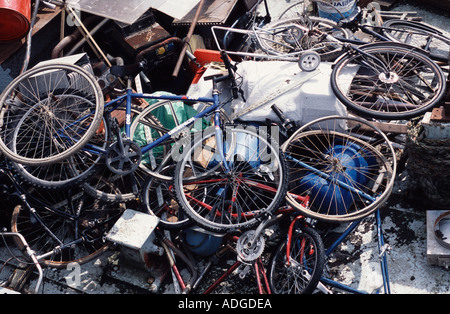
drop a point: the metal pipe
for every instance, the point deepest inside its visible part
(93, 32)
(188, 39)
(30, 253)
(29, 37)
(174, 40)
(189, 263)
(66, 41)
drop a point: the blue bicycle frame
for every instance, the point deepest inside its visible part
(215, 107)
(383, 258)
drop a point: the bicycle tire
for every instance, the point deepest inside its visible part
(388, 81)
(344, 166)
(66, 173)
(203, 187)
(49, 113)
(418, 34)
(307, 254)
(158, 197)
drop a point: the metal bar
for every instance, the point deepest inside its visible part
(383, 261)
(88, 34)
(188, 39)
(342, 237)
(226, 274)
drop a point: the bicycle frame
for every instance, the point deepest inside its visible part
(261, 277)
(255, 34)
(335, 245)
(128, 97)
(262, 282)
(383, 259)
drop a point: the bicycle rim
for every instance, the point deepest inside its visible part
(341, 169)
(58, 226)
(66, 173)
(221, 202)
(48, 113)
(299, 270)
(388, 82)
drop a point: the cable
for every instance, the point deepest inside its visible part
(29, 37)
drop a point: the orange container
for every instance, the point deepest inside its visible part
(204, 56)
(15, 17)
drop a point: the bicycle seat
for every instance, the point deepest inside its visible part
(127, 70)
(352, 18)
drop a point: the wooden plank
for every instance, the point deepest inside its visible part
(44, 17)
(385, 127)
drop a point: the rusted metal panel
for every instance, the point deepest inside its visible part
(442, 113)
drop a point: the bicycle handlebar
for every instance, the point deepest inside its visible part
(231, 76)
(30, 253)
(232, 68)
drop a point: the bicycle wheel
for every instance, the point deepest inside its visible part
(287, 39)
(341, 169)
(67, 226)
(67, 173)
(388, 81)
(220, 201)
(49, 113)
(168, 115)
(295, 10)
(420, 35)
(159, 198)
(297, 269)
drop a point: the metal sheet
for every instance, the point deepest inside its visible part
(131, 10)
(215, 12)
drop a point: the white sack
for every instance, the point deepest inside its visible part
(313, 99)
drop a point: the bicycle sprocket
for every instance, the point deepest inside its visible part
(123, 159)
(248, 247)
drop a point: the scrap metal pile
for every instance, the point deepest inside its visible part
(175, 141)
